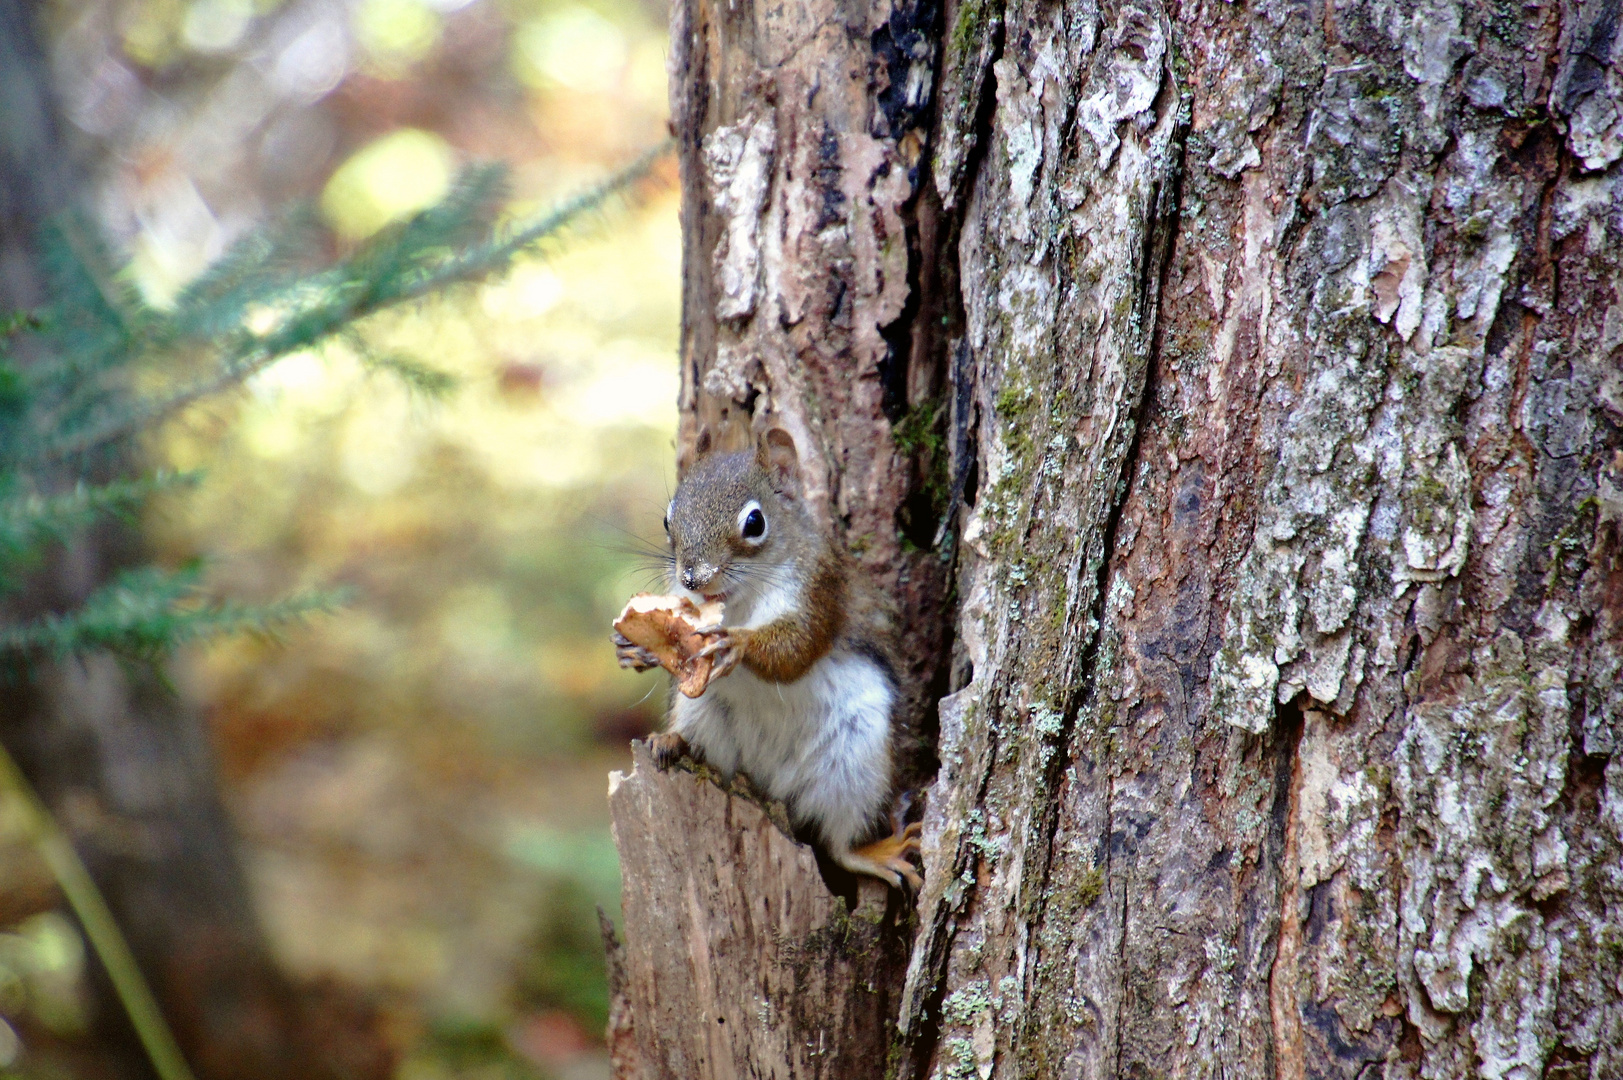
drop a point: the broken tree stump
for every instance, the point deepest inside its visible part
(737, 958)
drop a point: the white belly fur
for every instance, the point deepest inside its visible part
(820, 743)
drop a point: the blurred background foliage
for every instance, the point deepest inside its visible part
(418, 779)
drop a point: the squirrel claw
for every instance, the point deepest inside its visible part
(667, 749)
(726, 650)
(632, 655)
(888, 860)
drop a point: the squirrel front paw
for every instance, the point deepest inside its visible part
(666, 748)
(632, 655)
(726, 647)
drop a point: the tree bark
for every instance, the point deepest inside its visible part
(1270, 364)
(740, 954)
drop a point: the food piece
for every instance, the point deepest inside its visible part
(671, 627)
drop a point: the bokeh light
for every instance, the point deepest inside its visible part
(389, 179)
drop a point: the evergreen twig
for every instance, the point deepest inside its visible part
(316, 310)
(147, 612)
(29, 521)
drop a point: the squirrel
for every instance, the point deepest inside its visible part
(807, 704)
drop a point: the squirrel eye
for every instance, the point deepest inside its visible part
(668, 509)
(752, 523)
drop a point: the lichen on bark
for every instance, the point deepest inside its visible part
(1275, 353)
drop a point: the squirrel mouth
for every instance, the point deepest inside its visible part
(714, 597)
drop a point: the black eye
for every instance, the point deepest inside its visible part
(754, 525)
(667, 524)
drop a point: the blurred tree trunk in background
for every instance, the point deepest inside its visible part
(123, 765)
(1276, 354)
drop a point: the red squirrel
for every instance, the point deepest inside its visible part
(803, 691)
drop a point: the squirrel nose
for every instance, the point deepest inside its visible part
(698, 576)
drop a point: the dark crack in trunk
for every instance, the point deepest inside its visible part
(1263, 380)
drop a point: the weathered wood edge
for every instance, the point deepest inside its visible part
(737, 959)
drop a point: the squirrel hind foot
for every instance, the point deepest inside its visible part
(887, 859)
(667, 749)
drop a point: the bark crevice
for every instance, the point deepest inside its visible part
(1281, 349)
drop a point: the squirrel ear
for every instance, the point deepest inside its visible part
(775, 453)
(689, 454)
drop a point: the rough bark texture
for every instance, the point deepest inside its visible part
(801, 132)
(1281, 349)
(738, 968)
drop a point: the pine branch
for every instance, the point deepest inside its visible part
(497, 253)
(18, 321)
(95, 318)
(418, 376)
(406, 264)
(265, 262)
(146, 613)
(82, 272)
(28, 521)
(14, 403)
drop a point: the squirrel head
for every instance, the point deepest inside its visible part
(738, 522)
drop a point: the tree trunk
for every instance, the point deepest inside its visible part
(1276, 353)
(123, 765)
